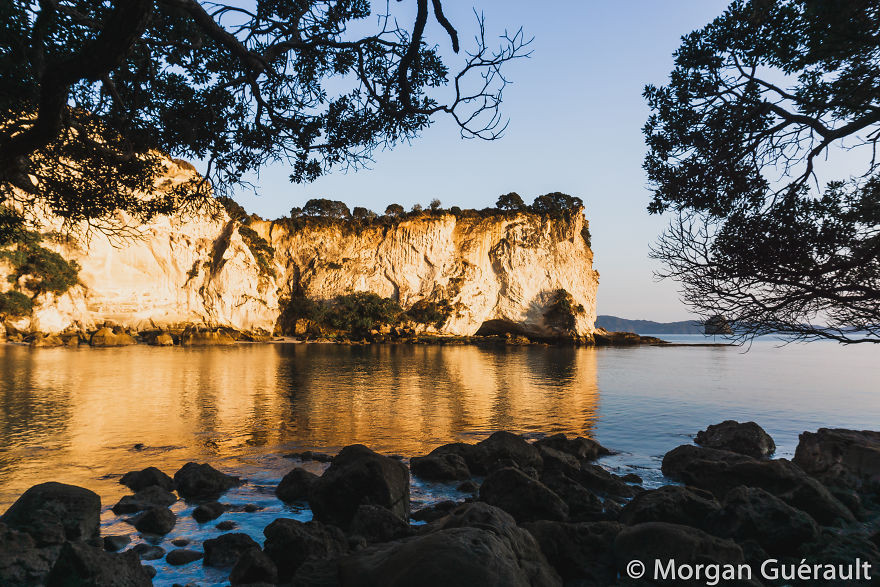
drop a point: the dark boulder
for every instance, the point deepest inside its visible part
(296, 485)
(582, 553)
(841, 458)
(469, 486)
(148, 497)
(454, 556)
(88, 566)
(600, 481)
(183, 556)
(202, 481)
(505, 445)
(524, 498)
(674, 504)
(226, 526)
(208, 511)
(253, 567)
(583, 449)
(556, 460)
(289, 543)
(441, 467)
(744, 438)
(138, 480)
(434, 511)
(659, 541)
(224, 550)
(720, 471)
(583, 504)
(115, 543)
(376, 524)
(53, 512)
(475, 456)
(22, 564)
(148, 552)
(159, 521)
(843, 549)
(359, 476)
(750, 513)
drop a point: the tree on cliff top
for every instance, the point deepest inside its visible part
(766, 233)
(92, 93)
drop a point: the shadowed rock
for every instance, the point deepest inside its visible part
(744, 438)
(289, 543)
(674, 504)
(54, 512)
(504, 445)
(138, 480)
(440, 467)
(841, 458)
(522, 497)
(225, 550)
(152, 496)
(183, 556)
(208, 511)
(296, 485)
(157, 520)
(582, 553)
(202, 481)
(81, 564)
(253, 567)
(376, 524)
(583, 449)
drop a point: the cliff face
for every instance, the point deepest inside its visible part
(498, 273)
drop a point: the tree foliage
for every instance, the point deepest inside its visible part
(92, 94)
(764, 233)
(394, 210)
(511, 201)
(43, 270)
(555, 203)
(326, 208)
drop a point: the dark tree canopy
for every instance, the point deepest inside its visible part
(556, 203)
(394, 210)
(326, 208)
(94, 94)
(361, 213)
(765, 234)
(511, 201)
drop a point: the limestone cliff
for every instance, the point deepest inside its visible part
(499, 272)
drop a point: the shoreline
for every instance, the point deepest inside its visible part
(723, 507)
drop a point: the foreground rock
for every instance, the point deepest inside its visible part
(226, 550)
(673, 504)
(202, 481)
(841, 458)
(296, 485)
(747, 438)
(152, 496)
(110, 337)
(54, 512)
(582, 553)
(524, 498)
(138, 480)
(81, 564)
(290, 543)
(197, 336)
(358, 476)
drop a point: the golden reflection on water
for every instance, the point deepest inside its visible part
(84, 416)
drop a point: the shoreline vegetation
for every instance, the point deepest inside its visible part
(538, 513)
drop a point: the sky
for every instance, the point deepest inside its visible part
(576, 112)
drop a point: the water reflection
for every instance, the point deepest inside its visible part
(84, 416)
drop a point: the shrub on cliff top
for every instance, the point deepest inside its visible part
(555, 203)
(15, 303)
(511, 201)
(326, 208)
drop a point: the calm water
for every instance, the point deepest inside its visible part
(86, 416)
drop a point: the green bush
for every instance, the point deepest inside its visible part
(555, 203)
(262, 251)
(429, 312)
(561, 311)
(234, 209)
(15, 303)
(48, 271)
(360, 312)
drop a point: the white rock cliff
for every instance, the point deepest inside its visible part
(501, 271)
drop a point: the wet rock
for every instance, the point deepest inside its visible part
(148, 552)
(251, 508)
(674, 504)
(159, 521)
(183, 556)
(842, 458)
(376, 524)
(631, 478)
(54, 512)
(163, 339)
(583, 505)
(720, 471)
(468, 486)
(455, 556)
(42, 341)
(152, 496)
(83, 565)
(138, 480)
(226, 526)
(296, 485)
(556, 460)
(435, 511)
(442, 467)
(842, 549)
(359, 476)
(309, 455)
(208, 511)
(751, 513)
(114, 543)
(582, 553)
(583, 449)
(224, 550)
(522, 497)
(600, 481)
(504, 445)
(253, 566)
(198, 336)
(744, 438)
(475, 456)
(659, 541)
(289, 543)
(22, 564)
(107, 337)
(202, 481)
(180, 542)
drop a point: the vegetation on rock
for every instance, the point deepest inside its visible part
(15, 303)
(562, 311)
(45, 271)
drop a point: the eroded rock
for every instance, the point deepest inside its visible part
(745, 438)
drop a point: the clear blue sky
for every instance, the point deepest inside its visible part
(576, 113)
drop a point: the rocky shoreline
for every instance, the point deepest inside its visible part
(539, 513)
(112, 335)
